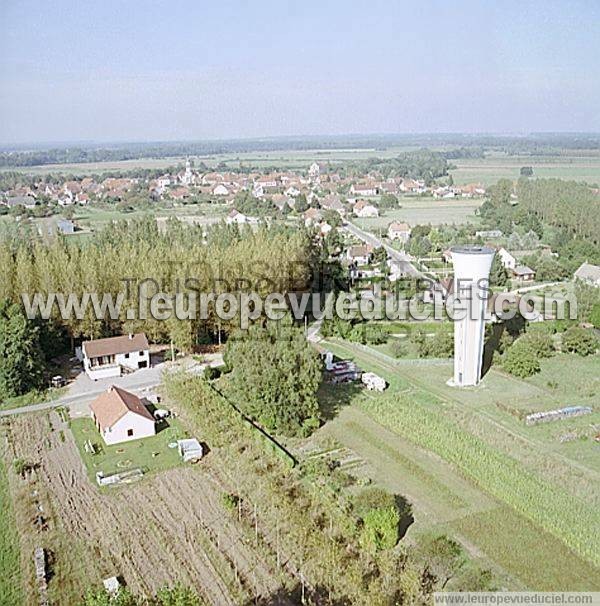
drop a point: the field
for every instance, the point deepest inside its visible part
(474, 470)
(10, 582)
(289, 159)
(425, 210)
(496, 166)
(168, 527)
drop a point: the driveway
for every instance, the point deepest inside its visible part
(84, 385)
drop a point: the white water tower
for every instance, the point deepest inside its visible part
(472, 266)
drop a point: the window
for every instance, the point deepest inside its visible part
(126, 355)
(129, 433)
(141, 353)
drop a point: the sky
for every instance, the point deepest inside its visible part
(149, 70)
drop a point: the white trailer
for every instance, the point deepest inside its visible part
(373, 382)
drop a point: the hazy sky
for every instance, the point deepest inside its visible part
(154, 70)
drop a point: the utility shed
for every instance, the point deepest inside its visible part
(190, 450)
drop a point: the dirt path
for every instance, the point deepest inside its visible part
(170, 527)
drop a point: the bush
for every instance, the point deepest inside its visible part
(540, 343)
(210, 373)
(230, 501)
(380, 517)
(521, 360)
(399, 348)
(580, 341)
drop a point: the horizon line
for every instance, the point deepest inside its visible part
(58, 144)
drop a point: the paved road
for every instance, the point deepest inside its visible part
(81, 398)
(398, 257)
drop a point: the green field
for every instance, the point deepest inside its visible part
(150, 454)
(495, 166)
(421, 211)
(10, 571)
(475, 470)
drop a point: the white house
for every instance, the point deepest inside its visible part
(508, 261)
(588, 273)
(364, 189)
(110, 357)
(311, 216)
(363, 209)
(292, 191)
(410, 185)
(121, 416)
(236, 217)
(399, 231)
(359, 254)
(220, 190)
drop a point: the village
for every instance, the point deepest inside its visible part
(299, 303)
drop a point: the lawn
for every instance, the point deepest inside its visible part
(150, 454)
(10, 571)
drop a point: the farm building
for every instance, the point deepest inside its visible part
(522, 272)
(113, 356)
(588, 273)
(121, 416)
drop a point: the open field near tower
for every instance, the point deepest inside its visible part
(450, 450)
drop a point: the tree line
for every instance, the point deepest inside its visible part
(116, 260)
(563, 204)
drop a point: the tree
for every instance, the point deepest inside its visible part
(444, 558)
(526, 171)
(595, 315)
(580, 341)
(500, 193)
(332, 217)
(21, 357)
(379, 254)
(181, 333)
(300, 204)
(275, 376)
(498, 275)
